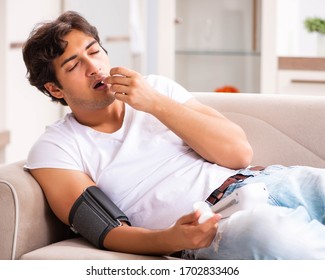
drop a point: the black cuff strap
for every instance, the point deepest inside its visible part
(93, 215)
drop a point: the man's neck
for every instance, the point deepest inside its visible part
(106, 120)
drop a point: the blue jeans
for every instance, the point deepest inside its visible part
(291, 226)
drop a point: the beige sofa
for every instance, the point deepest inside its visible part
(289, 130)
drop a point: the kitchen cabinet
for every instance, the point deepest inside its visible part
(301, 76)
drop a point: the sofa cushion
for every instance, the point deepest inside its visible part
(79, 248)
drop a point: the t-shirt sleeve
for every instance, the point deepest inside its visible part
(170, 88)
(53, 150)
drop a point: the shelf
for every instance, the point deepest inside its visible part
(217, 53)
(302, 63)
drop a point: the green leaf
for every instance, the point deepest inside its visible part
(315, 25)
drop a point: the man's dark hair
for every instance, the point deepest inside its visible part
(45, 43)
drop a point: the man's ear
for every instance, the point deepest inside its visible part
(54, 90)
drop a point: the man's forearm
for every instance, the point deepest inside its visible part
(186, 233)
(209, 133)
(140, 241)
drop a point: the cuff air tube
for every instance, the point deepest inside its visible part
(93, 215)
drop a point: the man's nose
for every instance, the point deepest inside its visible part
(92, 68)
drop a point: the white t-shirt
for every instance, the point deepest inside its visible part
(148, 171)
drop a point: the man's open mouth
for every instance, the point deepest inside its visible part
(98, 84)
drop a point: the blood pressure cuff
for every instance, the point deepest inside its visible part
(93, 215)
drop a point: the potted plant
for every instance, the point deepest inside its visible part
(317, 25)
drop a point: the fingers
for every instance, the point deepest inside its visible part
(189, 218)
(123, 72)
(120, 75)
(209, 225)
(121, 97)
(117, 88)
(193, 218)
(215, 218)
(132, 88)
(191, 234)
(119, 80)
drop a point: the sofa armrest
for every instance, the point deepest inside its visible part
(26, 220)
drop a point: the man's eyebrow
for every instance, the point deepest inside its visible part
(75, 56)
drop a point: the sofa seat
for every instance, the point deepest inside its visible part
(79, 248)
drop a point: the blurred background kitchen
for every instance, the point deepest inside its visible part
(236, 46)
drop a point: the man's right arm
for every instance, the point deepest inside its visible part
(63, 187)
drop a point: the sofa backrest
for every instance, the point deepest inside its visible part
(282, 129)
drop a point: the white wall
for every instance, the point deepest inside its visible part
(160, 37)
(3, 72)
(28, 111)
(269, 62)
(292, 37)
(3, 59)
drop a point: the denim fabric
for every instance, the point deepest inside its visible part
(291, 226)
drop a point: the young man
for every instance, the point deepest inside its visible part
(154, 150)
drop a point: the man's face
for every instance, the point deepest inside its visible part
(80, 69)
